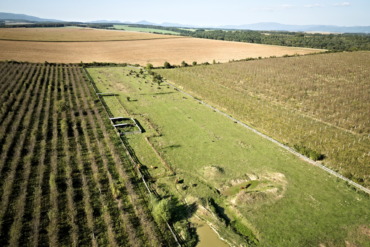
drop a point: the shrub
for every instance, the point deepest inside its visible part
(149, 66)
(312, 154)
(163, 210)
(184, 64)
(167, 65)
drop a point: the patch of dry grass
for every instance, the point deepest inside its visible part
(213, 171)
(256, 190)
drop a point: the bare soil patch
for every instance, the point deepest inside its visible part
(213, 172)
(365, 230)
(256, 189)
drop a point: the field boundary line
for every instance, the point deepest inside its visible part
(310, 161)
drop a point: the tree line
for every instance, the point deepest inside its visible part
(332, 42)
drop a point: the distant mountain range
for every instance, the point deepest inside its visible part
(23, 18)
(263, 26)
(272, 26)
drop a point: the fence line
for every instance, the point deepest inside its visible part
(132, 157)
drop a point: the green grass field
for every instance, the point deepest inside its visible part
(145, 30)
(256, 187)
(321, 102)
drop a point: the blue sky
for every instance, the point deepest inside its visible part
(199, 12)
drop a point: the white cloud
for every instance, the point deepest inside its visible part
(319, 5)
(343, 4)
(275, 8)
(315, 5)
(287, 6)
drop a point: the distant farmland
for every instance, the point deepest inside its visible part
(73, 34)
(64, 180)
(142, 29)
(128, 47)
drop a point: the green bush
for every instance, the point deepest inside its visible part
(184, 64)
(312, 154)
(149, 66)
(163, 210)
(167, 65)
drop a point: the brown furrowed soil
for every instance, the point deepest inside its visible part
(155, 50)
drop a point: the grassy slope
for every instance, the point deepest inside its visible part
(314, 208)
(146, 30)
(320, 101)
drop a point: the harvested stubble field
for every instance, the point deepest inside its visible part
(73, 34)
(64, 178)
(134, 50)
(284, 201)
(320, 101)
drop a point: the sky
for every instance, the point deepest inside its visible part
(199, 12)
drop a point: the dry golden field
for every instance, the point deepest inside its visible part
(134, 47)
(73, 34)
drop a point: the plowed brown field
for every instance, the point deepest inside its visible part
(139, 48)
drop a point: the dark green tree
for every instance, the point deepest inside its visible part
(184, 64)
(157, 78)
(167, 65)
(149, 66)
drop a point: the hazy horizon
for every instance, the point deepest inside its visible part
(199, 13)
